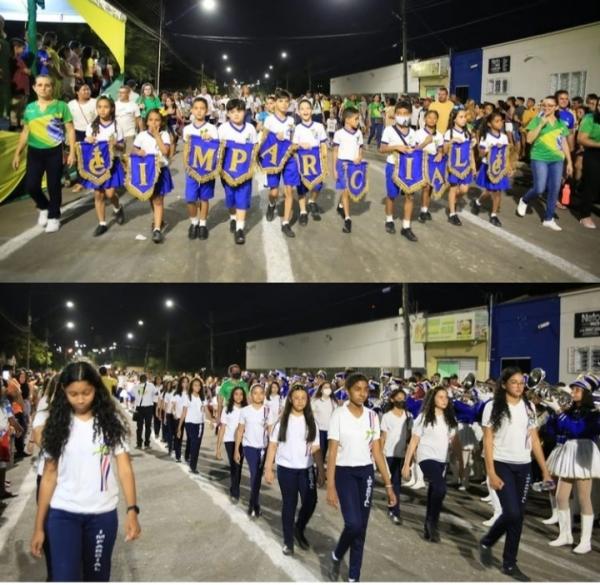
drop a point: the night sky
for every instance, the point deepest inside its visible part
(106, 313)
(253, 34)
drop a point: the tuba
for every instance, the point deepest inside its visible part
(538, 386)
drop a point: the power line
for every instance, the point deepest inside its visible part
(247, 39)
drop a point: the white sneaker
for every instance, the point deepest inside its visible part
(418, 485)
(492, 520)
(521, 208)
(53, 225)
(551, 223)
(43, 218)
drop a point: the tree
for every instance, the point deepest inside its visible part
(15, 343)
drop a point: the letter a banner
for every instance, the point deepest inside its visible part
(436, 175)
(409, 171)
(142, 174)
(273, 153)
(203, 159)
(497, 163)
(312, 164)
(238, 162)
(356, 179)
(94, 161)
(459, 163)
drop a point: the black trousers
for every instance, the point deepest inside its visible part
(49, 161)
(146, 414)
(591, 180)
(435, 474)
(20, 441)
(235, 469)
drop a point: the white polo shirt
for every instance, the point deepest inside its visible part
(195, 409)
(434, 439)
(392, 136)
(348, 143)
(278, 125)
(206, 131)
(231, 421)
(398, 430)
(126, 114)
(434, 146)
(145, 141)
(323, 409)
(492, 140)
(245, 134)
(177, 405)
(255, 421)
(106, 132)
(313, 134)
(295, 452)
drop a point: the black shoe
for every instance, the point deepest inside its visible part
(287, 551)
(193, 231)
(303, 219)
(334, 569)
(390, 227)
(178, 460)
(157, 237)
(454, 219)
(287, 230)
(7, 495)
(100, 229)
(301, 539)
(347, 226)
(515, 573)
(408, 234)
(475, 207)
(202, 232)
(485, 555)
(194, 472)
(240, 238)
(314, 211)
(428, 216)
(120, 216)
(232, 226)
(341, 212)
(270, 212)
(494, 220)
(234, 501)
(422, 216)
(138, 446)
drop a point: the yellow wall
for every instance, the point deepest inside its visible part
(437, 81)
(458, 349)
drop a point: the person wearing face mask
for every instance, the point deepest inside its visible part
(323, 405)
(228, 385)
(396, 427)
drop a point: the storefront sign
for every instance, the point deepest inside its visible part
(468, 326)
(587, 324)
(499, 65)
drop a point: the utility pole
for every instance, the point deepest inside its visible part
(202, 76)
(404, 45)
(167, 351)
(29, 323)
(211, 350)
(160, 40)
(406, 317)
(146, 356)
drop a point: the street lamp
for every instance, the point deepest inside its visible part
(284, 54)
(225, 57)
(266, 76)
(228, 69)
(130, 335)
(208, 5)
(140, 323)
(271, 67)
(70, 305)
(70, 325)
(169, 303)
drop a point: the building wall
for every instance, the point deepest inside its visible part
(458, 349)
(535, 59)
(570, 304)
(388, 79)
(376, 344)
(527, 329)
(466, 72)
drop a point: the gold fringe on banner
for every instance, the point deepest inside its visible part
(85, 174)
(401, 184)
(436, 194)
(132, 189)
(274, 170)
(497, 178)
(361, 195)
(190, 171)
(310, 185)
(465, 173)
(235, 182)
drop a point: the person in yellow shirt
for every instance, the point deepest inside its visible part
(109, 382)
(531, 111)
(443, 106)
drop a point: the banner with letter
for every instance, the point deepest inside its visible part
(142, 174)
(409, 171)
(312, 164)
(94, 161)
(203, 158)
(274, 153)
(497, 163)
(460, 159)
(436, 175)
(356, 179)
(238, 162)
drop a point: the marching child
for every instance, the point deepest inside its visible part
(282, 125)
(104, 129)
(332, 126)
(458, 134)
(403, 139)
(198, 195)
(238, 199)
(491, 135)
(308, 134)
(347, 147)
(156, 140)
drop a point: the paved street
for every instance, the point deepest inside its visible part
(522, 251)
(191, 532)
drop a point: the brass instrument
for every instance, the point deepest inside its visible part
(537, 385)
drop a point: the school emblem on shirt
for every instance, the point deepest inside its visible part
(460, 159)
(312, 164)
(273, 153)
(141, 175)
(95, 161)
(497, 163)
(409, 171)
(356, 179)
(238, 162)
(203, 158)
(436, 175)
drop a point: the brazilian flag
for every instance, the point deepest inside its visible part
(32, 6)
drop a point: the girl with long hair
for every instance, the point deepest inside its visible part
(164, 413)
(77, 507)
(177, 411)
(323, 405)
(435, 429)
(510, 436)
(294, 447)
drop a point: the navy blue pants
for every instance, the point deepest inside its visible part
(168, 432)
(46, 544)
(176, 440)
(395, 464)
(81, 545)
(256, 463)
(354, 486)
(435, 474)
(194, 432)
(323, 444)
(513, 495)
(293, 482)
(235, 469)
(157, 424)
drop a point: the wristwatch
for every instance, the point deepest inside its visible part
(134, 508)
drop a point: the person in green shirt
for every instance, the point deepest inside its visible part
(45, 123)
(548, 137)
(148, 100)
(228, 385)
(589, 138)
(375, 110)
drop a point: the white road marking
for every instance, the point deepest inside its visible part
(533, 249)
(23, 239)
(12, 514)
(277, 255)
(252, 529)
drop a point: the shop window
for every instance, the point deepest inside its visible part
(579, 359)
(574, 83)
(497, 86)
(595, 358)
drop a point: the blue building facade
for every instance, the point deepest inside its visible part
(527, 334)
(466, 74)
